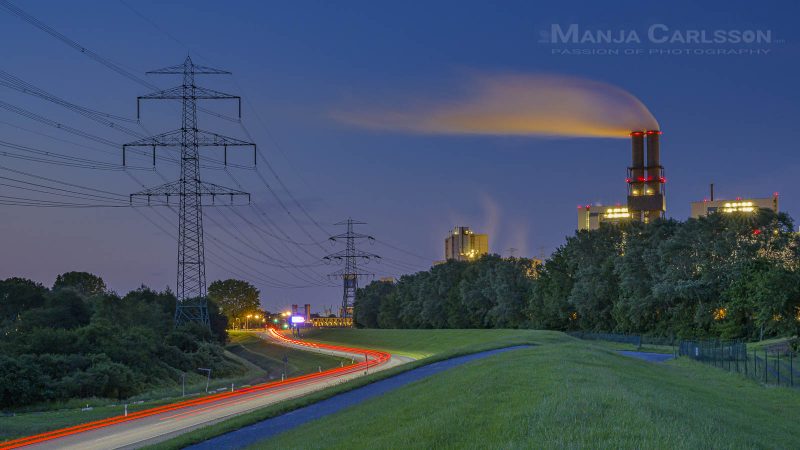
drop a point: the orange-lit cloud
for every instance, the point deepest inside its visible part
(518, 104)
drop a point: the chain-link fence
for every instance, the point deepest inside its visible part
(773, 364)
(769, 365)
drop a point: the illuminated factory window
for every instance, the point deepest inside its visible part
(740, 205)
(591, 216)
(617, 213)
(730, 207)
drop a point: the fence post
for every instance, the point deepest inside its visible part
(714, 353)
(727, 356)
(745, 361)
(779, 369)
(766, 366)
(755, 365)
(791, 369)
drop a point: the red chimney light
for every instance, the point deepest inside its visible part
(756, 232)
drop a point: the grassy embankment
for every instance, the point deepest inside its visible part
(574, 394)
(262, 362)
(427, 345)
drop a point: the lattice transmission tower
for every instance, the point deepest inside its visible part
(190, 190)
(351, 272)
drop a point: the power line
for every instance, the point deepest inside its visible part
(10, 81)
(10, 7)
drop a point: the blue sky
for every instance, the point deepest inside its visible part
(727, 119)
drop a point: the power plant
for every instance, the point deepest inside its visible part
(646, 187)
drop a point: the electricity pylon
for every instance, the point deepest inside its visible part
(191, 285)
(350, 273)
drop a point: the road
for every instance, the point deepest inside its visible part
(161, 423)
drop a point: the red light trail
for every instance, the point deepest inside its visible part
(373, 358)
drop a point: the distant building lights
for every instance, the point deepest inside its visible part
(738, 206)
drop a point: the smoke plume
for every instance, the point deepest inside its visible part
(518, 104)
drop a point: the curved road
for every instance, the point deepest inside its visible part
(161, 423)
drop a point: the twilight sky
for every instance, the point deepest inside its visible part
(301, 67)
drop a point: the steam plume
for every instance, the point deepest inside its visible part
(518, 104)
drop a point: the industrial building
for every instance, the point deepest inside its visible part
(746, 205)
(591, 216)
(646, 193)
(464, 245)
(646, 187)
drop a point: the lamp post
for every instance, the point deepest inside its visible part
(247, 322)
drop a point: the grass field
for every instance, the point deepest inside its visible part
(565, 395)
(262, 360)
(423, 343)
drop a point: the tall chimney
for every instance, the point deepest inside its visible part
(654, 161)
(712, 192)
(637, 155)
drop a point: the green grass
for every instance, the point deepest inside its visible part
(647, 348)
(759, 345)
(423, 343)
(430, 342)
(269, 357)
(569, 395)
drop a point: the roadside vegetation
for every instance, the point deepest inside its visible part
(77, 352)
(269, 357)
(79, 340)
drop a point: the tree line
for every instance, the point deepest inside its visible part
(726, 275)
(77, 340)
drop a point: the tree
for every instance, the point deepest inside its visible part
(368, 301)
(235, 298)
(83, 282)
(18, 295)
